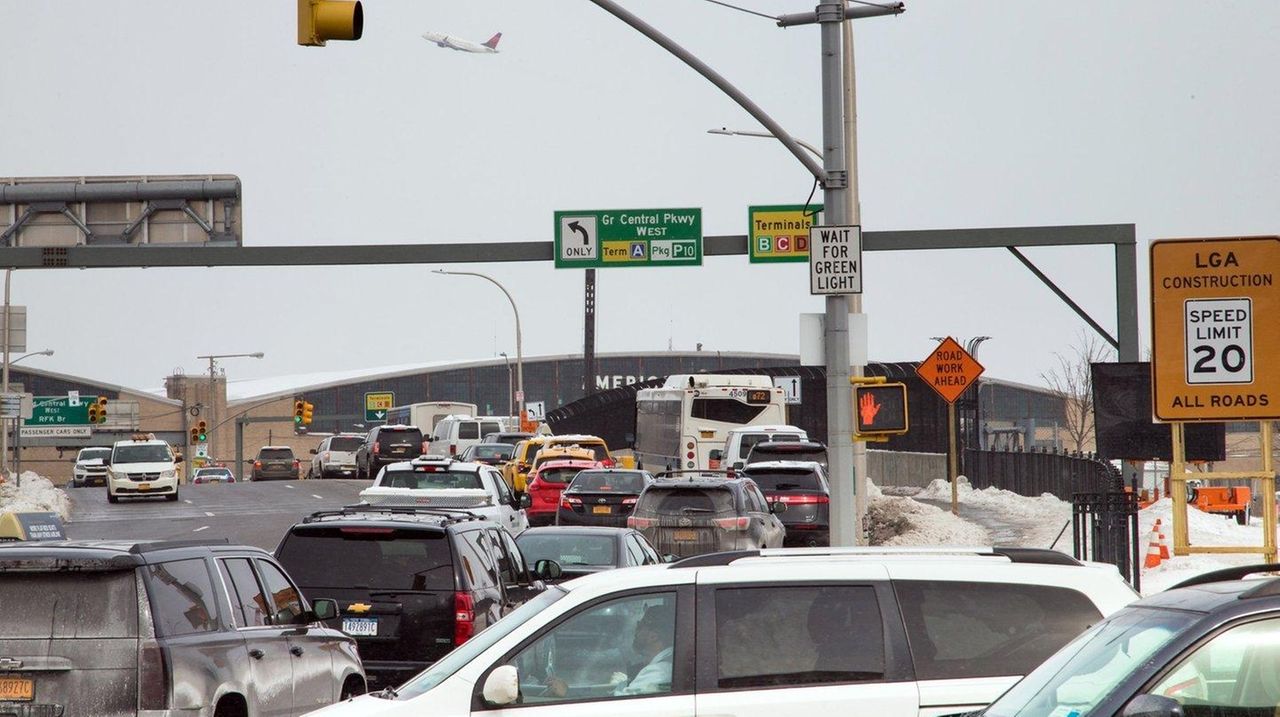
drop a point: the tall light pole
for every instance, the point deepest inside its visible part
(507, 361)
(519, 347)
(17, 421)
(213, 403)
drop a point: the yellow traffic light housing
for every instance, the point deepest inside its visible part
(202, 431)
(323, 20)
(879, 410)
(299, 407)
(102, 409)
(93, 412)
(195, 436)
(307, 411)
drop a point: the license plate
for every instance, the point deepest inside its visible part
(688, 535)
(600, 509)
(144, 486)
(360, 625)
(16, 689)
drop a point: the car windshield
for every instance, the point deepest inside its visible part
(345, 443)
(568, 549)
(1085, 672)
(213, 472)
(275, 454)
(680, 501)
(598, 450)
(617, 482)
(750, 439)
(430, 480)
(381, 558)
(445, 667)
(143, 453)
(90, 454)
(558, 475)
(411, 437)
(773, 480)
(492, 451)
(765, 452)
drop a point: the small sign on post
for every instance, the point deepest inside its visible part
(950, 371)
(835, 260)
(536, 410)
(790, 386)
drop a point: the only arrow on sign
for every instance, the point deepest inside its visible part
(577, 229)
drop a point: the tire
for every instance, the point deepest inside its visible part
(1242, 517)
(353, 687)
(112, 498)
(172, 497)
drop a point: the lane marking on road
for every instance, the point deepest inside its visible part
(208, 514)
(203, 527)
(184, 500)
(317, 497)
(291, 487)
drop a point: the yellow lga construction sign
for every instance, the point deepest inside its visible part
(1215, 326)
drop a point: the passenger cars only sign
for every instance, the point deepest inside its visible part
(835, 260)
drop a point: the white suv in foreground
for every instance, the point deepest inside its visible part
(140, 466)
(868, 631)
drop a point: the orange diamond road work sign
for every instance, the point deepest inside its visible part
(950, 370)
(1215, 328)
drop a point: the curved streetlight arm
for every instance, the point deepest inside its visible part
(46, 352)
(519, 348)
(718, 80)
(766, 135)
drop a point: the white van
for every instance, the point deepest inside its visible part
(455, 434)
(141, 466)
(738, 443)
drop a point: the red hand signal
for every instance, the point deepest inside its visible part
(868, 407)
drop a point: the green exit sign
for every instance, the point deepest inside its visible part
(58, 411)
(603, 238)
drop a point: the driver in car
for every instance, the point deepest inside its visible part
(653, 642)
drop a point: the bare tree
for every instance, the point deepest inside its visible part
(1072, 381)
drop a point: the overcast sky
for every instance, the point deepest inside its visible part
(971, 114)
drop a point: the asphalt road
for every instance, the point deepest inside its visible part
(246, 513)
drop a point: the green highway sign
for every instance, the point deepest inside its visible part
(58, 411)
(602, 238)
(376, 404)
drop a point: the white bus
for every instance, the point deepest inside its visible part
(426, 415)
(678, 425)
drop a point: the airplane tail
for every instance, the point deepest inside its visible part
(492, 43)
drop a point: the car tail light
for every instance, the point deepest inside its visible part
(153, 677)
(360, 530)
(257, 464)
(640, 523)
(196, 479)
(732, 523)
(799, 499)
(295, 463)
(231, 479)
(464, 618)
(628, 501)
(568, 502)
(453, 449)
(424, 446)
(609, 463)
(377, 447)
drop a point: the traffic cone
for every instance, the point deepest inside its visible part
(1164, 541)
(1153, 550)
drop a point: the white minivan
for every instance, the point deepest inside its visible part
(455, 434)
(890, 632)
(141, 466)
(738, 443)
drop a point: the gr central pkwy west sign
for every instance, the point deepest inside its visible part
(599, 238)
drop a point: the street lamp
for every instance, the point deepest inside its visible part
(508, 363)
(46, 352)
(519, 346)
(4, 452)
(754, 133)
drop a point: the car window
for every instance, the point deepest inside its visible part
(468, 430)
(490, 427)
(476, 561)
(493, 543)
(671, 500)
(618, 481)
(634, 554)
(750, 439)
(757, 501)
(72, 604)
(252, 604)
(560, 476)
(400, 436)
(504, 492)
(784, 636)
(430, 479)
(182, 599)
(344, 443)
(275, 454)
(725, 410)
(143, 453)
(286, 601)
(781, 480)
(383, 558)
(569, 549)
(652, 554)
(973, 629)
(612, 650)
(88, 454)
(1234, 673)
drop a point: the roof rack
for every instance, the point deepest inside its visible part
(1015, 555)
(449, 514)
(141, 548)
(1226, 574)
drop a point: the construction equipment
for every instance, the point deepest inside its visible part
(1231, 501)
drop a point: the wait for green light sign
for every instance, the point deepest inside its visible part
(780, 232)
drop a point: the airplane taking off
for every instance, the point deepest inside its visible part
(454, 43)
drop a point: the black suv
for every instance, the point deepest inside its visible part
(275, 463)
(387, 444)
(411, 583)
(179, 627)
(1208, 646)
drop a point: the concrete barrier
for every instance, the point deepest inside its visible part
(905, 470)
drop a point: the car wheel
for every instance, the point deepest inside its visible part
(172, 497)
(353, 687)
(112, 498)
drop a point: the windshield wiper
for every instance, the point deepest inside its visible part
(386, 693)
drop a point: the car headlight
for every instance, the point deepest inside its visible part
(169, 474)
(117, 475)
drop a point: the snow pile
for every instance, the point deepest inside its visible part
(1038, 521)
(1203, 529)
(893, 520)
(37, 495)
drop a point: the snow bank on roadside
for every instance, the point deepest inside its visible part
(1044, 516)
(1204, 529)
(37, 495)
(894, 520)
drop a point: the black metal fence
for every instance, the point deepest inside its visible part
(1104, 528)
(1033, 473)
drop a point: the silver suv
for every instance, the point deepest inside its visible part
(184, 627)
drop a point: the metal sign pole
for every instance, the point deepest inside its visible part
(953, 462)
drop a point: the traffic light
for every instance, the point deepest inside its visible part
(880, 409)
(202, 431)
(307, 411)
(102, 409)
(299, 407)
(195, 436)
(93, 412)
(322, 20)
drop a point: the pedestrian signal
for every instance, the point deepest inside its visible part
(880, 409)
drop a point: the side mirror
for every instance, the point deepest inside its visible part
(738, 465)
(1152, 706)
(313, 451)
(502, 686)
(324, 608)
(548, 570)
(669, 558)
(525, 500)
(778, 507)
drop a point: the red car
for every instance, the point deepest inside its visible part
(547, 483)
